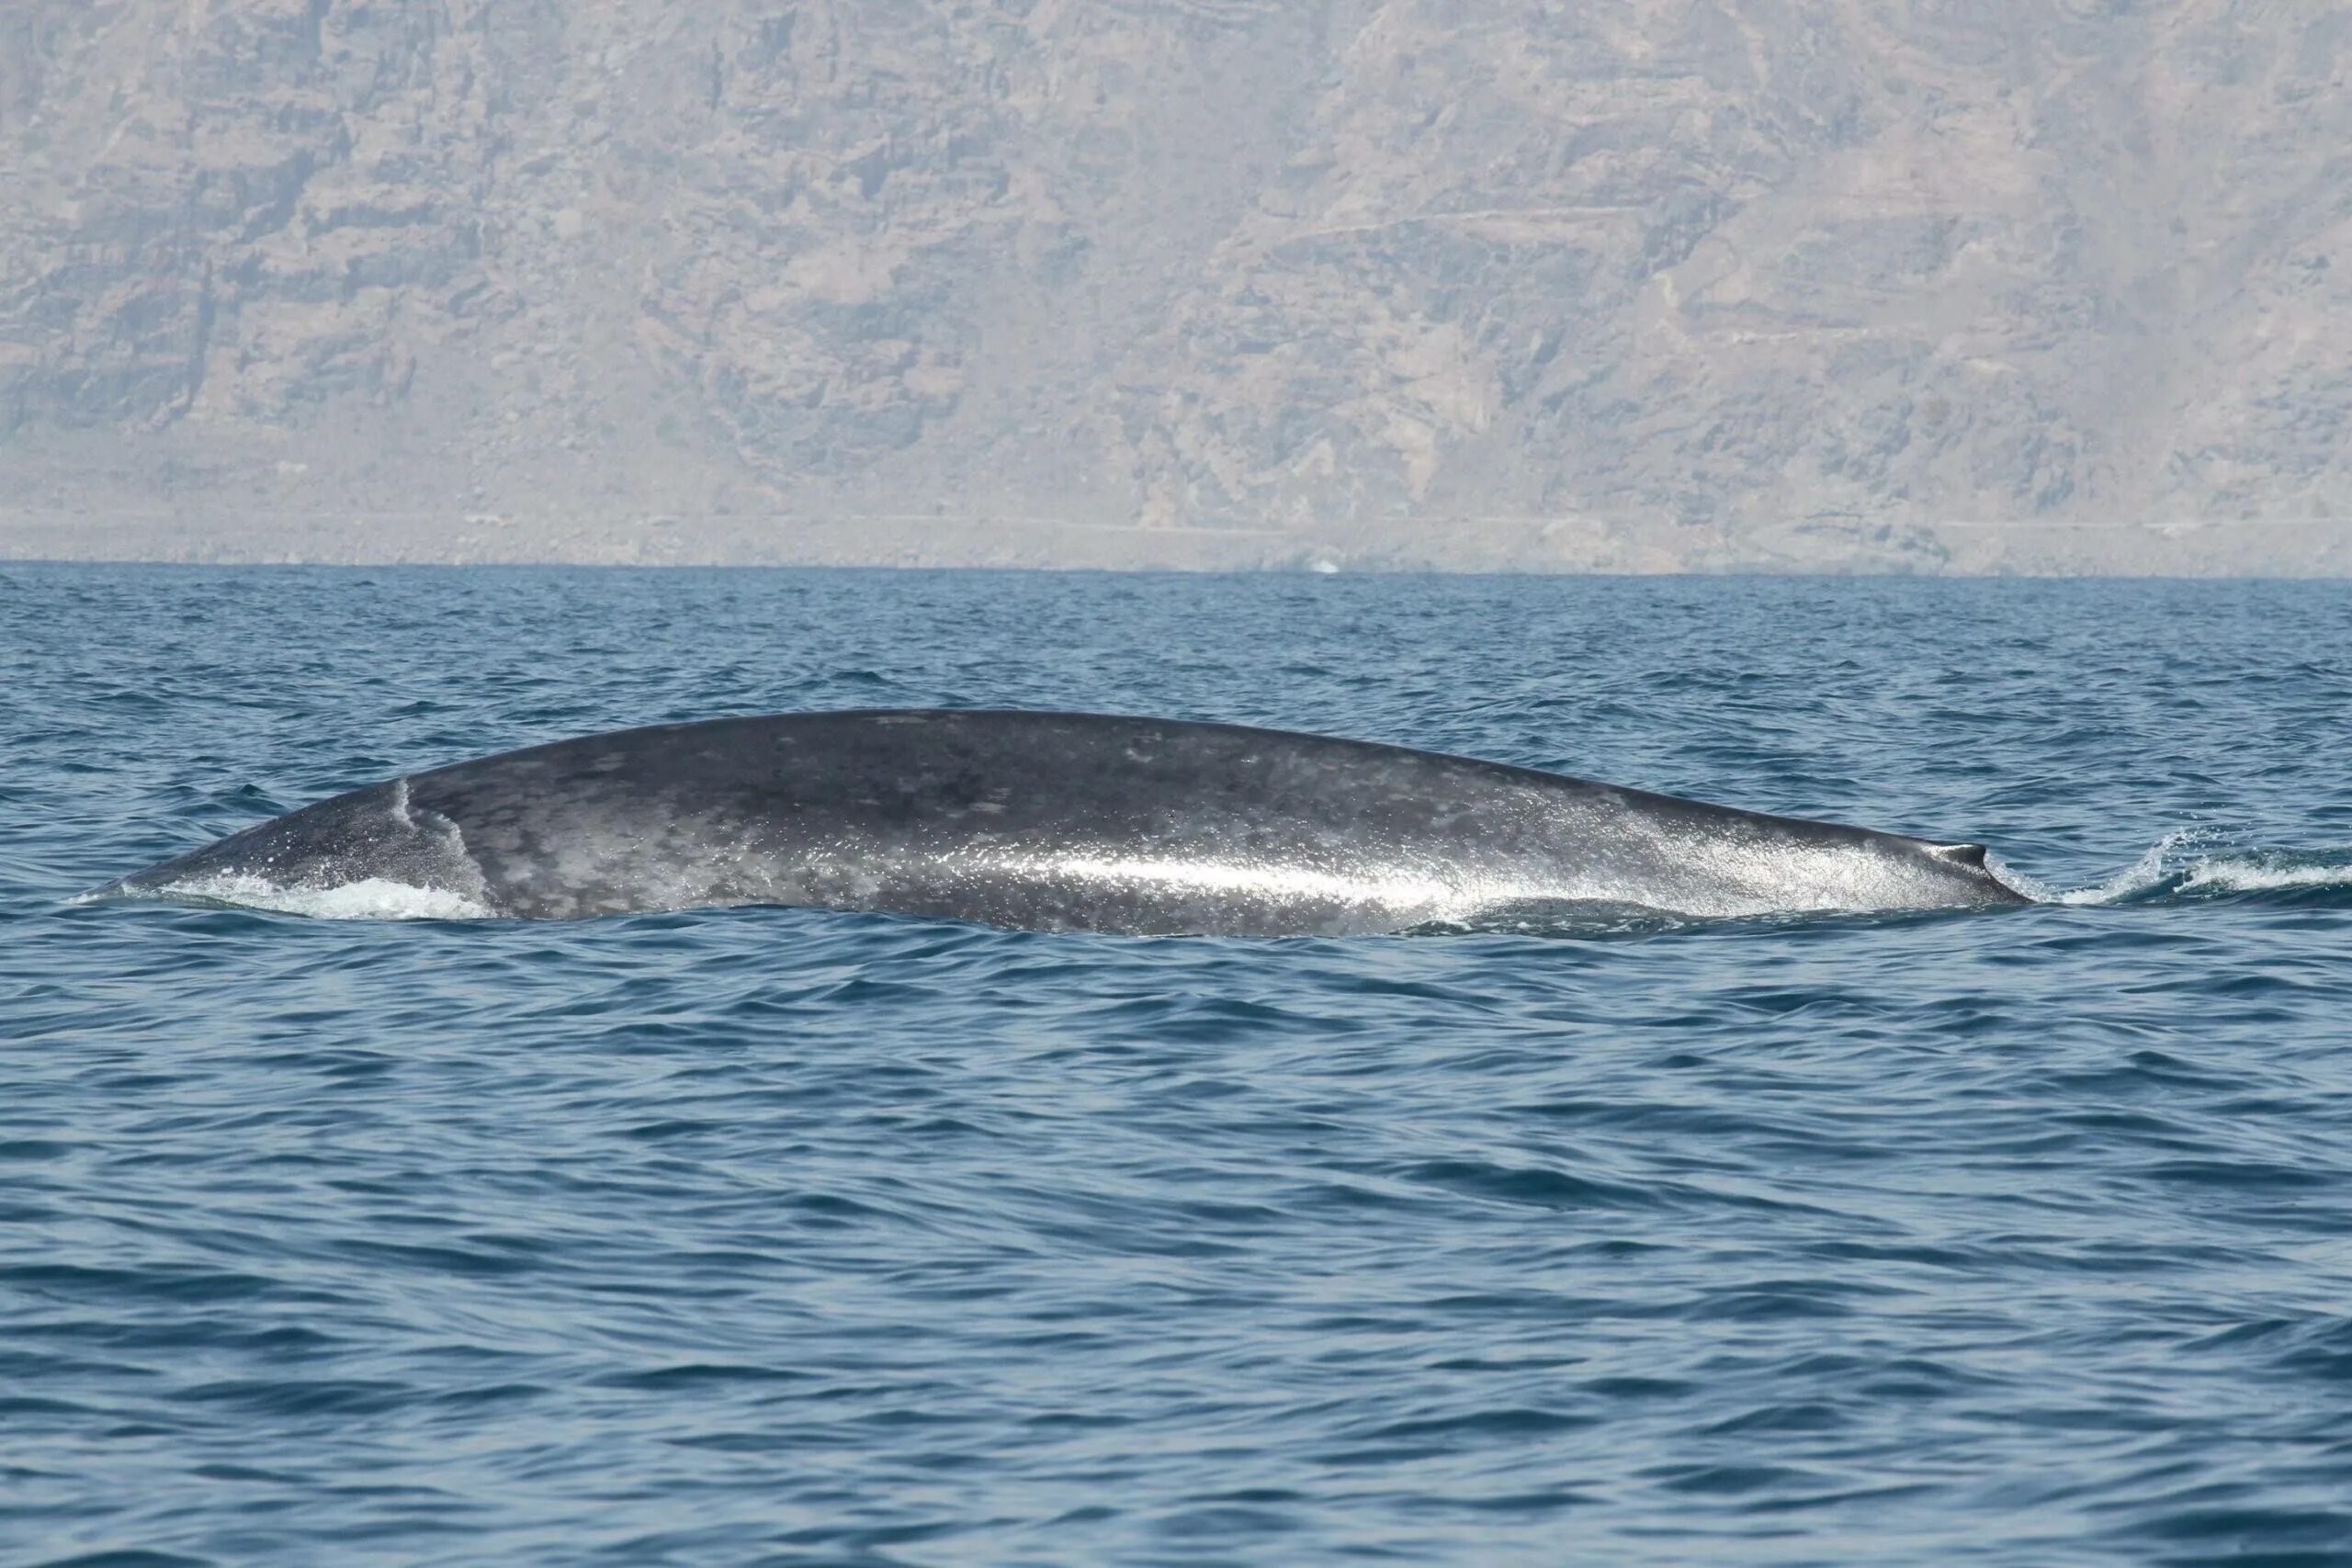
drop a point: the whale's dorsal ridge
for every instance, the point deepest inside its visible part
(1968, 855)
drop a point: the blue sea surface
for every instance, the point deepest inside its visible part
(772, 1235)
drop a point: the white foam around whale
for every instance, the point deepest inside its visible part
(2173, 865)
(2256, 874)
(2150, 870)
(366, 898)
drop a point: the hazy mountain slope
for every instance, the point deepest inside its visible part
(1701, 282)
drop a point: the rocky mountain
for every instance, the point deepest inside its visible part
(1910, 285)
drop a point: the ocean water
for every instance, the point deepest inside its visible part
(779, 1236)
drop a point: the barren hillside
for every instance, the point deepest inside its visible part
(1915, 285)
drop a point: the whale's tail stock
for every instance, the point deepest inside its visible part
(1974, 859)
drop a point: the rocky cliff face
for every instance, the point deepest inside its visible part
(1651, 282)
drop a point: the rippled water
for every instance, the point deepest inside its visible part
(771, 1236)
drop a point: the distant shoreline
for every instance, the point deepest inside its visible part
(1834, 546)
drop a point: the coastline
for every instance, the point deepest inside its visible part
(1837, 546)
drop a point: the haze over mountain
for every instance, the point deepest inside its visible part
(1913, 284)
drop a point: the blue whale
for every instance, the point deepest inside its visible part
(1045, 821)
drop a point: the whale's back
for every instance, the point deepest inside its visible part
(1067, 822)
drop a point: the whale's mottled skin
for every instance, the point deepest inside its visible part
(1052, 822)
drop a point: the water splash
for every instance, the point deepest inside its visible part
(368, 899)
(2268, 872)
(2188, 864)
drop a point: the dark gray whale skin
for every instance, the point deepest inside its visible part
(1055, 821)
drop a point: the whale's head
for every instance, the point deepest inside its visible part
(371, 853)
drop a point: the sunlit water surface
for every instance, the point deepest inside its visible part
(771, 1236)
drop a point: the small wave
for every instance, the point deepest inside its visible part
(369, 898)
(2181, 863)
(2266, 873)
(2155, 872)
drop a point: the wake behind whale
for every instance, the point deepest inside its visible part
(1044, 821)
